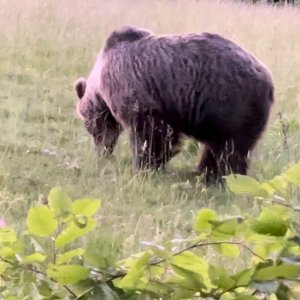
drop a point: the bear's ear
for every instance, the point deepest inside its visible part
(80, 86)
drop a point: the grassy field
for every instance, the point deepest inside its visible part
(46, 45)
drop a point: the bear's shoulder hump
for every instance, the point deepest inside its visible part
(125, 34)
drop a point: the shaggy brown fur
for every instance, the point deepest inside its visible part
(98, 120)
(160, 87)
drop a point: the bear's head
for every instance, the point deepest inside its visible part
(97, 118)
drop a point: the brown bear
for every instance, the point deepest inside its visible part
(161, 87)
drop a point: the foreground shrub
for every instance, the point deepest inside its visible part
(45, 262)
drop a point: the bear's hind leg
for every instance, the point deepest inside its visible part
(221, 160)
(153, 141)
(237, 163)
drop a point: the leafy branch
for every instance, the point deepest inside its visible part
(193, 246)
(271, 238)
(36, 271)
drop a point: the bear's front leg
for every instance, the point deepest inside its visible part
(153, 142)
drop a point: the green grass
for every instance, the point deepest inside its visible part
(46, 45)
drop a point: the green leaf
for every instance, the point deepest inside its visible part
(292, 175)
(187, 263)
(7, 252)
(190, 261)
(277, 272)
(86, 289)
(279, 184)
(72, 232)
(3, 267)
(226, 227)
(86, 207)
(67, 256)
(244, 277)
(183, 294)
(188, 279)
(35, 257)
(59, 201)
(229, 250)
(7, 235)
(135, 273)
(221, 278)
(202, 219)
(41, 221)
(245, 185)
(68, 274)
(270, 222)
(152, 288)
(269, 188)
(45, 290)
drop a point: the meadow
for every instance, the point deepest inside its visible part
(46, 45)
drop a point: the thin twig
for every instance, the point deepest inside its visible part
(200, 245)
(193, 246)
(54, 252)
(251, 251)
(37, 272)
(286, 205)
